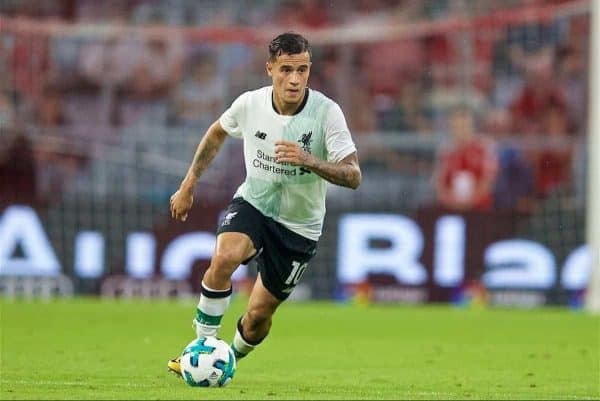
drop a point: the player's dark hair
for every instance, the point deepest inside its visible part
(288, 43)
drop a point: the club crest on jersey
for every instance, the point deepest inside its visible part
(228, 217)
(305, 140)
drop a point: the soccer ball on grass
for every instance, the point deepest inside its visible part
(207, 362)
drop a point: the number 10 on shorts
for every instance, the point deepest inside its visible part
(297, 272)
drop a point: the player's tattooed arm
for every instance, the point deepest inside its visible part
(345, 172)
(181, 201)
(208, 148)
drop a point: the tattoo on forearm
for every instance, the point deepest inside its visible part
(206, 152)
(203, 157)
(344, 174)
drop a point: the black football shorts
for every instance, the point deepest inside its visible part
(282, 255)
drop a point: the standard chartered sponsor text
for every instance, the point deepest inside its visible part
(270, 164)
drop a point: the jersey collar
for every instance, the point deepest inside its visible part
(304, 101)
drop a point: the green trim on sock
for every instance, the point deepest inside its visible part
(208, 320)
(236, 353)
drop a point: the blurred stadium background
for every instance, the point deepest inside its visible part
(471, 120)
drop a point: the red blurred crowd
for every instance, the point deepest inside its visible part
(508, 101)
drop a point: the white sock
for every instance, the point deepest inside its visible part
(240, 346)
(210, 310)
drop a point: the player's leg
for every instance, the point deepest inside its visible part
(239, 236)
(284, 258)
(256, 322)
(231, 250)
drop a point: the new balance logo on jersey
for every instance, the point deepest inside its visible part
(305, 141)
(261, 135)
(228, 217)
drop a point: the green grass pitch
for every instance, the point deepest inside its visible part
(93, 349)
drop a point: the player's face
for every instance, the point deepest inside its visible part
(290, 76)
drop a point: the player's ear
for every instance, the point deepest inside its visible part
(269, 68)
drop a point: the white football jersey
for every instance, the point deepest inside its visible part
(292, 195)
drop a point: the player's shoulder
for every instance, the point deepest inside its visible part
(324, 105)
(259, 95)
(263, 91)
(253, 96)
(321, 98)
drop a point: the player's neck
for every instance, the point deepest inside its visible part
(288, 109)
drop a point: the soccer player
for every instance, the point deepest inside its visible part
(295, 141)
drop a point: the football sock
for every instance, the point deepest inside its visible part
(240, 345)
(210, 310)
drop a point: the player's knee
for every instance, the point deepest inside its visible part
(227, 260)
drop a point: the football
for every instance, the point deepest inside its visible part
(207, 362)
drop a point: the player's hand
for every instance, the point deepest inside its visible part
(291, 152)
(181, 203)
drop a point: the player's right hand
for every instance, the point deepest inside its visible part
(181, 203)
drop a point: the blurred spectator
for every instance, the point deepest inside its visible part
(143, 96)
(105, 65)
(534, 73)
(112, 11)
(514, 184)
(64, 69)
(521, 41)
(388, 65)
(145, 12)
(366, 12)
(114, 61)
(135, 68)
(579, 171)
(572, 73)
(465, 170)
(447, 94)
(361, 120)
(57, 162)
(7, 93)
(303, 14)
(35, 8)
(7, 110)
(447, 91)
(539, 94)
(245, 66)
(552, 162)
(199, 96)
(212, 13)
(511, 54)
(29, 62)
(437, 8)
(407, 115)
(328, 78)
(17, 168)
(50, 108)
(313, 13)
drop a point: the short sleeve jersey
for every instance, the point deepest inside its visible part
(292, 195)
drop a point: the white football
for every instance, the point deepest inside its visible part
(207, 362)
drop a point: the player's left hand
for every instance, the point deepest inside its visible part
(291, 152)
